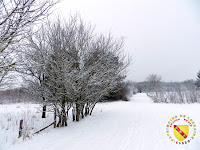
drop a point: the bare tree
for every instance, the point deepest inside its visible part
(177, 92)
(197, 83)
(33, 55)
(15, 17)
(154, 81)
(80, 67)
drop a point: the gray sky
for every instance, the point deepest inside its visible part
(162, 36)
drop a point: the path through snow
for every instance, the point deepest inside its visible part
(138, 124)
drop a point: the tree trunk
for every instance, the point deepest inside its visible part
(92, 108)
(73, 114)
(44, 111)
(82, 111)
(64, 118)
(77, 111)
(54, 117)
(67, 113)
(59, 122)
(82, 114)
(87, 109)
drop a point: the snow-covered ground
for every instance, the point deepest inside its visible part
(138, 124)
(10, 116)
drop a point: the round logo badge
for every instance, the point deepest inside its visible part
(181, 129)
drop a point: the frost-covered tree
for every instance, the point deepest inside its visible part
(197, 83)
(154, 82)
(33, 55)
(15, 17)
(177, 92)
(79, 66)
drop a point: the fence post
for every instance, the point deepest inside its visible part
(20, 128)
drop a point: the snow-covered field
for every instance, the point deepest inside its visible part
(10, 116)
(138, 124)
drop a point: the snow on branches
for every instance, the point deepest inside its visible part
(72, 66)
(15, 17)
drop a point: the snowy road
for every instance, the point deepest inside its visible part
(135, 125)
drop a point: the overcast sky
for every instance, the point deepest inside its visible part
(162, 36)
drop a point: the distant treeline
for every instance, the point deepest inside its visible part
(18, 95)
(166, 86)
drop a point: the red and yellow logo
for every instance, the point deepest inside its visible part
(181, 129)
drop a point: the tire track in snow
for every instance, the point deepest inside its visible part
(132, 131)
